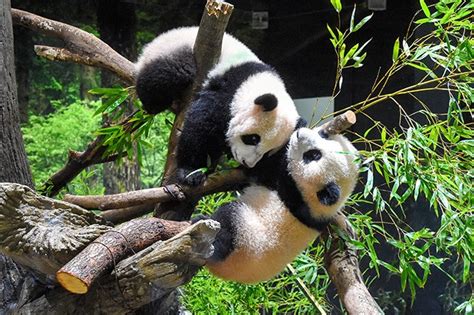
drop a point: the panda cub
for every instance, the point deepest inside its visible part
(243, 107)
(295, 194)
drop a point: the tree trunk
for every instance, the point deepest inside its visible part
(23, 63)
(117, 27)
(87, 77)
(12, 152)
(15, 282)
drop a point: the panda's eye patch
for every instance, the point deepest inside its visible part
(312, 155)
(252, 139)
(323, 134)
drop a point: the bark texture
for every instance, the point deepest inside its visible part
(12, 152)
(23, 63)
(16, 284)
(113, 246)
(342, 265)
(44, 233)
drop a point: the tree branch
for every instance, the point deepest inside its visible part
(44, 234)
(343, 267)
(207, 49)
(81, 46)
(223, 181)
(131, 237)
(215, 183)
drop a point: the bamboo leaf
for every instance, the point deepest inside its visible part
(396, 47)
(351, 25)
(336, 5)
(362, 22)
(425, 9)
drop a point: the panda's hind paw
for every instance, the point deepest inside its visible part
(191, 178)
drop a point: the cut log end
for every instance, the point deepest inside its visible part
(72, 283)
(340, 123)
(216, 8)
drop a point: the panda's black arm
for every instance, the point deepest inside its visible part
(203, 135)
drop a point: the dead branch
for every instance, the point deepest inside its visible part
(207, 49)
(343, 267)
(113, 246)
(121, 215)
(223, 181)
(215, 183)
(339, 123)
(81, 46)
(43, 233)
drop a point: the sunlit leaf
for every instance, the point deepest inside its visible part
(396, 47)
(425, 9)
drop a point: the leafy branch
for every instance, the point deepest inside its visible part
(430, 155)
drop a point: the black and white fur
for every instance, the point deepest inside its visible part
(296, 193)
(243, 107)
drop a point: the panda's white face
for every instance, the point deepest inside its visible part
(263, 118)
(320, 163)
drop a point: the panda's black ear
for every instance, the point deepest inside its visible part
(329, 195)
(268, 101)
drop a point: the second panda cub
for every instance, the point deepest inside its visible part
(296, 193)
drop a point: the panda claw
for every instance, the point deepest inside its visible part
(191, 178)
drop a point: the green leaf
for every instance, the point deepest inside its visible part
(396, 47)
(337, 5)
(425, 9)
(106, 91)
(421, 66)
(331, 32)
(362, 22)
(351, 25)
(466, 269)
(383, 135)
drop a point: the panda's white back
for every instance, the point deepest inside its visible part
(268, 237)
(233, 51)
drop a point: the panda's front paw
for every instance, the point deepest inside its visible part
(191, 178)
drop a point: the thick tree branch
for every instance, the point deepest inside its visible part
(113, 246)
(339, 123)
(223, 181)
(81, 46)
(207, 50)
(120, 215)
(44, 234)
(343, 267)
(215, 183)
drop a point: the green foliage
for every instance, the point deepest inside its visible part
(346, 58)
(155, 150)
(430, 156)
(123, 135)
(48, 139)
(206, 294)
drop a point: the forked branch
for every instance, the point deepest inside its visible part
(216, 183)
(80, 46)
